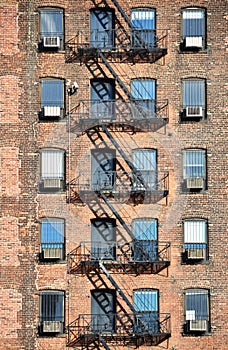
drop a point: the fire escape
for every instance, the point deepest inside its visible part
(102, 120)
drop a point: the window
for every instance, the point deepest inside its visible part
(143, 22)
(52, 98)
(146, 305)
(194, 169)
(103, 169)
(145, 174)
(51, 29)
(52, 170)
(146, 243)
(194, 98)
(102, 28)
(51, 312)
(144, 94)
(103, 309)
(193, 28)
(102, 99)
(195, 240)
(197, 310)
(103, 239)
(52, 239)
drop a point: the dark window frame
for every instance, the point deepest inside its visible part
(196, 111)
(57, 246)
(60, 33)
(184, 46)
(58, 175)
(51, 312)
(53, 107)
(202, 316)
(201, 184)
(201, 247)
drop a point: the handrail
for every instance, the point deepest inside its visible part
(119, 38)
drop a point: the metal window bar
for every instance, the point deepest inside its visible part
(194, 22)
(194, 164)
(52, 307)
(51, 23)
(197, 304)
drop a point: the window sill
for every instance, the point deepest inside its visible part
(195, 262)
(194, 52)
(196, 335)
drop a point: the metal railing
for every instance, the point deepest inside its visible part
(135, 251)
(134, 325)
(122, 181)
(119, 39)
(120, 111)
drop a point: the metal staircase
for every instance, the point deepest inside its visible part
(131, 329)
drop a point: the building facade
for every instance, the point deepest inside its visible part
(113, 174)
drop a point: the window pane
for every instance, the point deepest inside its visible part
(52, 306)
(146, 300)
(194, 164)
(51, 23)
(143, 19)
(52, 92)
(52, 164)
(197, 303)
(52, 233)
(195, 232)
(194, 93)
(193, 23)
(101, 28)
(143, 89)
(145, 161)
(145, 229)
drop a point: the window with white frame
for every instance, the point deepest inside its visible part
(194, 98)
(51, 312)
(144, 27)
(197, 310)
(51, 28)
(193, 27)
(52, 169)
(52, 238)
(194, 171)
(195, 239)
(52, 98)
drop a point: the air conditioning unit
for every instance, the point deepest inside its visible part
(51, 41)
(52, 327)
(194, 111)
(196, 253)
(194, 41)
(52, 183)
(195, 183)
(198, 325)
(52, 111)
(52, 253)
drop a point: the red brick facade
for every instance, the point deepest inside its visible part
(24, 134)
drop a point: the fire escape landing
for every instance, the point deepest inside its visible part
(127, 183)
(127, 46)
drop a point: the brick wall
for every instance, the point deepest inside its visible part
(22, 137)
